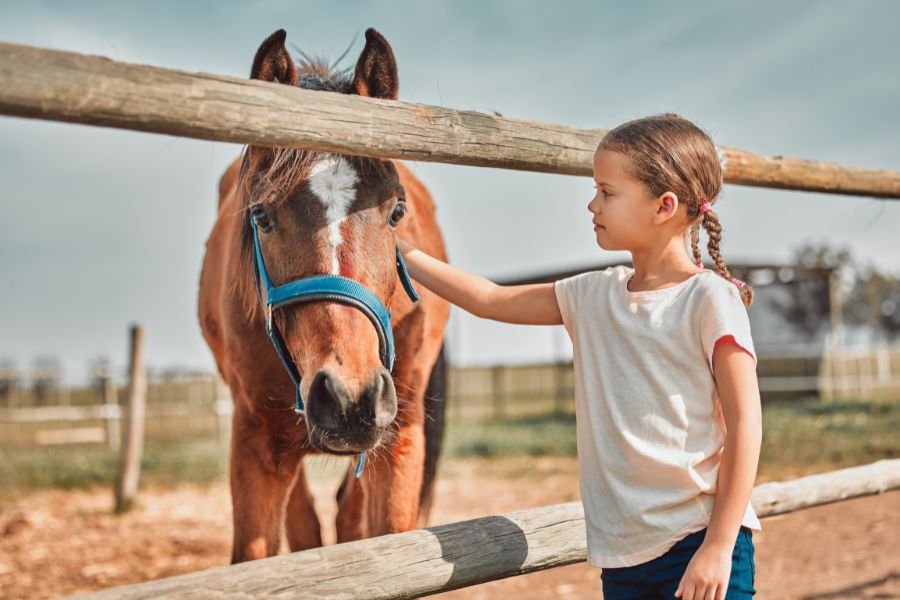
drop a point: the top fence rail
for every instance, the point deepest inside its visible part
(66, 86)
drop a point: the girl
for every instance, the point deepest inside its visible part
(664, 367)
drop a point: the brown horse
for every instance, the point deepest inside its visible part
(319, 213)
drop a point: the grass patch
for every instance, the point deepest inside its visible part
(809, 436)
(69, 467)
(799, 437)
(547, 435)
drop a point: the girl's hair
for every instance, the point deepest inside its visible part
(670, 154)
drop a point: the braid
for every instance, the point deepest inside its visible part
(714, 230)
(695, 244)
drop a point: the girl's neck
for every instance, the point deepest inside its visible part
(656, 268)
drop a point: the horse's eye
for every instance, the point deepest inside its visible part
(261, 218)
(397, 213)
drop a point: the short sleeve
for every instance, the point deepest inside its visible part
(722, 313)
(569, 292)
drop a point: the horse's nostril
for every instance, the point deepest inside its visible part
(384, 399)
(327, 401)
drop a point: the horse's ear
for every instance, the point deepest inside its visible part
(272, 61)
(376, 69)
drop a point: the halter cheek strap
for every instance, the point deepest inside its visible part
(333, 288)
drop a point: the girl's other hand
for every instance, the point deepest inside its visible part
(707, 574)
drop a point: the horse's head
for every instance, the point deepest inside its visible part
(318, 214)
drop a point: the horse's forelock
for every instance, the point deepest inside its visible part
(315, 73)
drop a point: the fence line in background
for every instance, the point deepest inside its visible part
(500, 391)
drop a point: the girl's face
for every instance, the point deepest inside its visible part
(623, 208)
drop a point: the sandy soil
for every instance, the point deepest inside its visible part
(54, 543)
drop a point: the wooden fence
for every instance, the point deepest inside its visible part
(71, 87)
(201, 406)
(446, 557)
(66, 86)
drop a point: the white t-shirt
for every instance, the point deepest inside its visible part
(650, 429)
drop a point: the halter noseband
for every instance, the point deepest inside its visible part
(329, 288)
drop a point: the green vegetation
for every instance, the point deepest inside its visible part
(808, 436)
(67, 467)
(799, 437)
(522, 436)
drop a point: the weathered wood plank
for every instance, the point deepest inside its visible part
(446, 557)
(776, 498)
(66, 86)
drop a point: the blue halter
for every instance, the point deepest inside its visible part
(332, 288)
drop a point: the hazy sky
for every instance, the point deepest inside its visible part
(102, 227)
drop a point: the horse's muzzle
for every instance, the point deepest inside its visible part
(341, 424)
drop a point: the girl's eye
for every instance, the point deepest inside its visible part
(262, 220)
(397, 214)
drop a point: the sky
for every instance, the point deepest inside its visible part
(100, 227)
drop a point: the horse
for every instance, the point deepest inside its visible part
(309, 214)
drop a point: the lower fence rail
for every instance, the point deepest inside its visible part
(447, 557)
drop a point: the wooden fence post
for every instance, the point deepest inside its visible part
(133, 442)
(112, 414)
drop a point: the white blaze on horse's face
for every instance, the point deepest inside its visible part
(333, 181)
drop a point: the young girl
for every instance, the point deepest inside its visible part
(666, 397)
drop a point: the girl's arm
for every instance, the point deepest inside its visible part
(738, 391)
(523, 304)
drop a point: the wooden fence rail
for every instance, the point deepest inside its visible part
(66, 86)
(447, 557)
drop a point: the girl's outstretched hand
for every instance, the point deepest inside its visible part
(707, 574)
(523, 304)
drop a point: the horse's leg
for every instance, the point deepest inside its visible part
(394, 478)
(351, 521)
(435, 412)
(301, 523)
(259, 485)
(395, 475)
(385, 499)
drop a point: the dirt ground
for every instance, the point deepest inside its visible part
(55, 543)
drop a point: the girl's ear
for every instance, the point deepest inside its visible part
(376, 69)
(667, 206)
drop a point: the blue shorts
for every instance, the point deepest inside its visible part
(659, 578)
